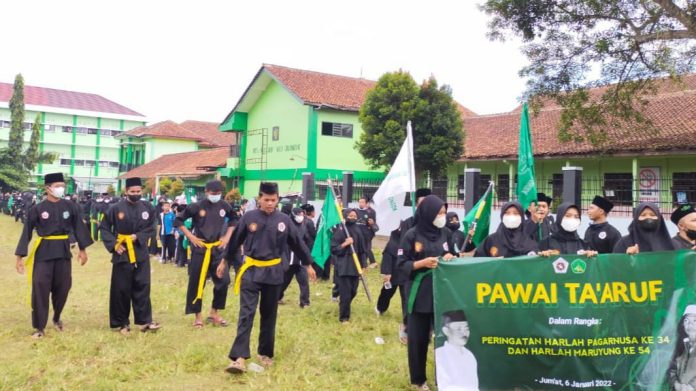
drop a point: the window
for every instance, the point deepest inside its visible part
(113, 164)
(503, 188)
(683, 187)
(79, 162)
(105, 132)
(276, 133)
(336, 129)
(27, 125)
(67, 129)
(234, 150)
(460, 187)
(115, 133)
(618, 188)
(89, 163)
(51, 128)
(92, 131)
(81, 130)
(64, 162)
(5, 124)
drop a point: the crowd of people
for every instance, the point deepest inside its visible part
(267, 242)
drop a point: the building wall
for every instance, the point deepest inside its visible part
(335, 152)
(156, 147)
(77, 141)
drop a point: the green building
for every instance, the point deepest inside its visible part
(291, 121)
(630, 167)
(82, 129)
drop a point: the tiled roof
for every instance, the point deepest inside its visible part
(40, 96)
(181, 164)
(209, 133)
(316, 88)
(164, 129)
(672, 111)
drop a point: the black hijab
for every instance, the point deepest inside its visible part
(425, 214)
(515, 240)
(450, 216)
(657, 240)
(559, 232)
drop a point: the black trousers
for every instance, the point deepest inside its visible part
(168, 246)
(181, 252)
(220, 287)
(325, 273)
(419, 327)
(130, 284)
(51, 278)
(385, 296)
(268, 307)
(370, 254)
(300, 274)
(347, 289)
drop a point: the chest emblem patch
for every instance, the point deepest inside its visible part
(202, 213)
(121, 215)
(445, 246)
(145, 215)
(252, 227)
(66, 215)
(44, 215)
(281, 227)
(602, 235)
(222, 213)
(418, 247)
(494, 251)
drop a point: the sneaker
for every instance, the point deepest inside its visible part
(265, 361)
(334, 299)
(378, 312)
(38, 334)
(422, 387)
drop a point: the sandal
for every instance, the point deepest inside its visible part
(403, 336)
(217, 321)
(124, 330)
(265, 361)
(152, 326)
(38, 334)
(58, 325)
(198, 325)
(236, 367)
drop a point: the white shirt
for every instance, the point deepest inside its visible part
(456, 368)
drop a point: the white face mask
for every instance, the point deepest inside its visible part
(512, 221)
(299, 219)
(440, 221)
(214, 198)
(58, 192)
(570, 224)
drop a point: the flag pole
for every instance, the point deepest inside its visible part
(411, 168)
(352, 248)
(478, 213)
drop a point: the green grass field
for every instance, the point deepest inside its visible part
(313, 350)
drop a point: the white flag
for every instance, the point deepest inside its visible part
(390, 196)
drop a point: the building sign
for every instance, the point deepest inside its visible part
(649, 184)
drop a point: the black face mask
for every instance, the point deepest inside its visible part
(691, 234)
(350, 221)
(134, 197)
(649, 224)
(453, 226)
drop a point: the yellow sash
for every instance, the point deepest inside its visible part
(249, 262)
(128, 240)
(204, 268)
(29, 264)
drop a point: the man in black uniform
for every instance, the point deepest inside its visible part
(367, 222)
(125, 230)
(265, 233)
(208, 217)
(685, 219)
(600, 235)
(51, 274)
(294, 268)
(539, 225)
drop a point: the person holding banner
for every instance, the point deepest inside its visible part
(420, 250)
(600, 235)
(265, 233)
(208, 243)
(347, 276)
(510, 239)
(125, 230)
(682, 368)
(647, 232)
(684, 217)
(49, 265)
(565, 239)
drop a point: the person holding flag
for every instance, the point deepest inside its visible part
(321, 250)
(509, 240)
(265, 233)
(420, 251)
(346, 272)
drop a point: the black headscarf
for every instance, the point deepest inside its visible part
(450, 216)
(657, 240)
(425, 214)
(515, 240)
(559, 232)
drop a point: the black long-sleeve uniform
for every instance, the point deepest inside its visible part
(130, 283)
(52, 269)
(602, 237)
(344, 268)
(295, 269)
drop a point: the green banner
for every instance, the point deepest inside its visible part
(567, 322)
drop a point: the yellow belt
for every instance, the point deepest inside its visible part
(204, 268)
(249, 262)
(128, 240)
(30, 259)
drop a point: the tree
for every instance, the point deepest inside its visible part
(233, 195)
(437, 125)
(164, 185)
(576, 45)
(111, 189)
(14, 145)
(176, 188)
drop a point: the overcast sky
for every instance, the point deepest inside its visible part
(171, 59)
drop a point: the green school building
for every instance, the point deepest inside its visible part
(82, 129)
(290, 121)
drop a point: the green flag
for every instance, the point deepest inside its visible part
(526, 184)
(329, 218)
(483, 210)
